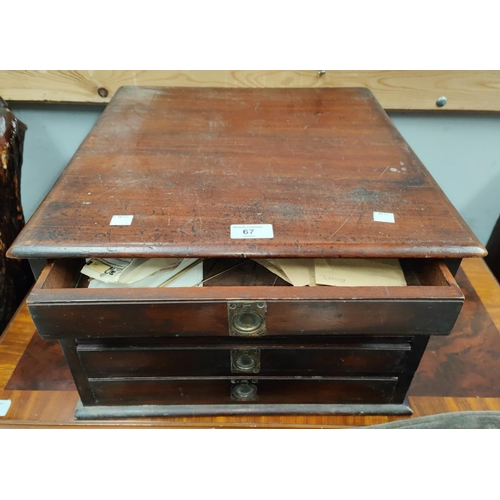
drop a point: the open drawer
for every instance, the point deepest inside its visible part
(246, 302)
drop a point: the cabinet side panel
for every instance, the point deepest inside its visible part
(82, 384)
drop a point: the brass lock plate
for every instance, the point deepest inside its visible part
(245, 360)
(247, 319)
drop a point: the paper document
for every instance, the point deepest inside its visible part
(186, 274)
(271, 265)
(359, 272)
(297, 272)
(106, 270)
(337, 272)
(127, 271)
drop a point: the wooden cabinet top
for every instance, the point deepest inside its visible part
(187, 163)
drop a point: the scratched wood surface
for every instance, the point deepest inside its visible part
(189, 163)
(395, 90)
(457, 373)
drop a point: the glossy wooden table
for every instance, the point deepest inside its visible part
(457, 373)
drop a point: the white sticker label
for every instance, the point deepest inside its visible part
(383, 217)
(121, 220)
(248, 231)
(4, 407)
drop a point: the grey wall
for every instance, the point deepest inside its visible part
(461, 151)
(54, 133)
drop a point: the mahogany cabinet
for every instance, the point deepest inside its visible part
(326, 170)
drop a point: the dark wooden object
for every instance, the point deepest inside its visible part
(188, 163)
(458, 372)
(493, 247)
(15, 275)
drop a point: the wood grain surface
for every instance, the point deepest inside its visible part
(33, 376)
(189, 163)
(396, 90)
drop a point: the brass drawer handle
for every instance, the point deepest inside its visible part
(244, 392)
(247, 319)
(245, 363)
(247, 322)
(245, 360)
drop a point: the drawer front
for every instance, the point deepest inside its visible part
(211, 319)
(166, 361)
(222, 391)
(206, 311)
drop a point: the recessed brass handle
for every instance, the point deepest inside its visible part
(245, 363)
(245, 360)
(244, 391)
(247, 322)
(247, 319)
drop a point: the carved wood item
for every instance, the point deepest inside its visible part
(15, 275)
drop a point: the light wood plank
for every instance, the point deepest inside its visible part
(14, 341)
(486, 286)
(395, 90)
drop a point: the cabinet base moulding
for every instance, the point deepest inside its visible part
(146, 411)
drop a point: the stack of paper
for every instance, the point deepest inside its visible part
(140, 273)
(337, 272)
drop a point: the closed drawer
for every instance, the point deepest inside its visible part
(222, 391)
(154, 359)
(61, 308)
